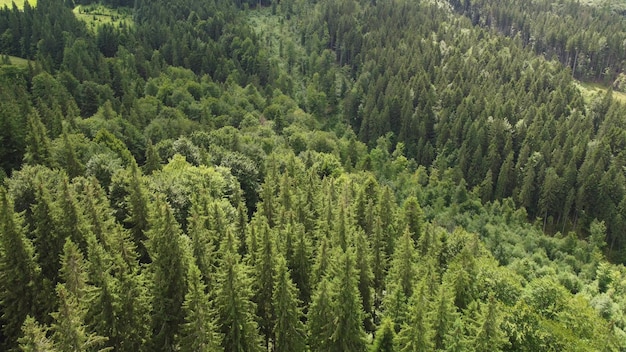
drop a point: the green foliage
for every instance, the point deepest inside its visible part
(324, 176)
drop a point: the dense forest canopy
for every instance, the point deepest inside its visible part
(331, 175)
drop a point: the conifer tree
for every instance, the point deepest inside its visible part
(233, 302)
(19, 273)
(489, 334)
(444, 315)
(320, 318)
(69, 330)
(34, 338)
(413, 217)
(198, 333)
(289, 331)
(402, 272)
(74, 272)
(47, 239)
(202, 247)
(385, 336)
(168, 268)
(138, 212)
(264, 274)
(104, 311)
(455, 340)
(133, 324)
(348, 334)
(322, 261)
(37, 141)
(71, 162)
(300, 265)
(362, 257)
(153, 160)
(416, 334)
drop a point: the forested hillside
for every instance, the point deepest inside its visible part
(331, 175)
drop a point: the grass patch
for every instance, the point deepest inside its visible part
(19, 3)
(14, 60)
(96, 15)
(592, 90)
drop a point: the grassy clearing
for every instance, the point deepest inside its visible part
(19, 3)
(16, 61)
(96, 15)
(592, 90)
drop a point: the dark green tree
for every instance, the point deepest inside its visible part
(348, 334)
(19, 273)
(320, 318)
(37, 141)
(385, 336)
(169, 274)
(233, 293)
(417, 333)
(289, 331)
(198, 333)
(34, 338)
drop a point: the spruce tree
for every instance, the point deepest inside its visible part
(401, 278)
(37, 141)
(69, 330)
(300, 264)
(417, 333)
(47, 239)
(385, 336)
(362, 257)
(198, 333)
(19, 273)
(264, 274)
(489, 334)
(348, 334)
(233, 302)
(202, 247)
(444, 315)
(168, 270)
(289, 331)
(153, 160)
(320, 318)
(34, 337)
(139, 212)
(413, 217)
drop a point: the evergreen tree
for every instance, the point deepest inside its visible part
(138, 212)
(233, 295)
(74, 272)
(348, 332)
(289, 331)
(365, 279)
(300, 265)
(198, 332)
(401, 278)
(203, 249)
(47, 239)
(264, 274)
(489, 334)
(444, 316)
(37, 141)
(413, 217)
(34, 338)
(19, 273)
(168, 268)
(69, 330)
(153, 160)
(417, 333)
(385, 336)
(320, 318)
(72, 164)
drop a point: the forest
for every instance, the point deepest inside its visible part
(312, 175)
